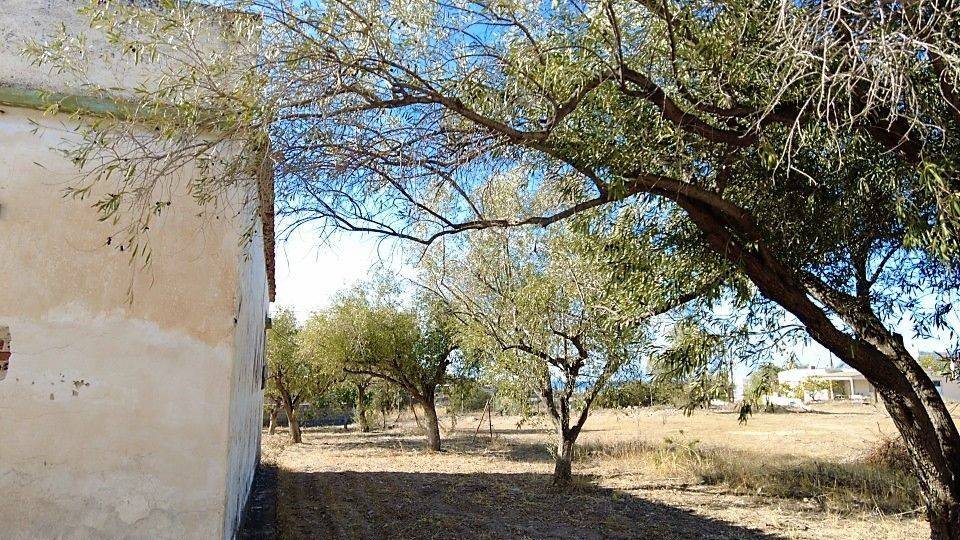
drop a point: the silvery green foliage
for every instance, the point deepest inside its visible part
(197, 125)
(824, 131)
(294, 362)
(544, 314)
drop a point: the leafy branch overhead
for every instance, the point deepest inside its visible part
(804, 154)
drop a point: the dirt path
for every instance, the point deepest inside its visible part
(383, 485)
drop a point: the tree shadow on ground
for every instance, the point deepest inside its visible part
(373, 505)
(530, 452)
(459, 441)
(349, 440)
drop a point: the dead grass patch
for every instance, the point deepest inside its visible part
(878, 482)
(889, 453)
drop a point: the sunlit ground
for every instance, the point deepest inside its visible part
(642, 474)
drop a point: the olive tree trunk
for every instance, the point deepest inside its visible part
(931, 438)
(294, 425)
(914, 405)
(917, 410)
(422, 388)
(273, 419)
(567, 429)
(289, 404)
(563, 466)
(361, 408)
(431, 424)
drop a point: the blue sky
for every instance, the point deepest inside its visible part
(312, 267)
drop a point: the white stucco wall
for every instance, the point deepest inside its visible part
(246, 395)
(132, 402)
(863, 388)
(129, 405)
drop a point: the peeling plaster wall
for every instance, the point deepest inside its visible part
(128, 407)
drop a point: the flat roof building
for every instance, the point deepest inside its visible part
(826, 384)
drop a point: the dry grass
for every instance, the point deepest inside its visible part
(890, 453)
(644, 474)
(871, 484)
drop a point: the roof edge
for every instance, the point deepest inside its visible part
(32, 98)
(81, 105)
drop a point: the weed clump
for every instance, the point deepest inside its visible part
(888, 452)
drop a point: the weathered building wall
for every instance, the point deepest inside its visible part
(24, 20)
(95, 440)
(246, 401)
(132, 401)
(863, 388)
(949, 390)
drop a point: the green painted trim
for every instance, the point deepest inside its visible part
(29, 98)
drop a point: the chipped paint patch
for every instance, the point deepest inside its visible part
(5, 351)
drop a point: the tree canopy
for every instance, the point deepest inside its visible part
(297, 368)
(370, 333)
(812, 146)
(549, 318)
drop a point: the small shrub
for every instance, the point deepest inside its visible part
(889, 452)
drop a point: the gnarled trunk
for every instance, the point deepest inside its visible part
(431, 424)
(908, 394)
(914, 405)
(290, 409)
(931, 438)
(937, 476)
(361, 408)
(294, 425)
(273, 419)
(944, 522)
(558, 406)
(563, 466)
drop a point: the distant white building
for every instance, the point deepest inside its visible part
(805, 385)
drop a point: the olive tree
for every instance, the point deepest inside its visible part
(808, 144)
(762, 383)
(296, 374)
(548, 319)
(373, 335)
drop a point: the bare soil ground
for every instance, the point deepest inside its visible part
(344, 484)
